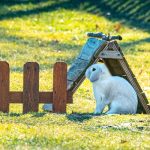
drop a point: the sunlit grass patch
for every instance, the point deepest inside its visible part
(51, 131)
(58, 34)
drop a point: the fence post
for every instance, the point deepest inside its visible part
(4, 86)
(31, 87)
(60, 87)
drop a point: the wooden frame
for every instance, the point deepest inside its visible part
(30, 97)
(110, 53)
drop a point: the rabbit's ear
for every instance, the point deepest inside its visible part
(94, 75)
(87, 73)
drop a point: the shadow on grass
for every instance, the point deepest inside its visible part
(80, 117)
(132, 13)
(39, 114)
(131, 45)
(34, 114)
(14, 114)
(125, 44)
(16, 2)
(52, 46)
(56, 46)
(35, 42)
(34, 11)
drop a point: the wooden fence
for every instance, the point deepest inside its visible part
(30, 97)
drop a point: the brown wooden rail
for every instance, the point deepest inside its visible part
(30, 97)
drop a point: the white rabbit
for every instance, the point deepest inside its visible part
(114, 91)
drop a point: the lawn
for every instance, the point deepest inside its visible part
(49, 31)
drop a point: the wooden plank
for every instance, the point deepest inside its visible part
(135, 80)
(15, 97)
(79, 81)
(116, 68)
(142, 105)
(44, 97)
(69, 97)
(4, 87)
(142, 99)
(88, 55)
(110, 54)
(121, 68)
(31, 87)
(60, 87)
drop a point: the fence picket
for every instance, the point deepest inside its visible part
(31, 87)
(60, 87)
(4, 87)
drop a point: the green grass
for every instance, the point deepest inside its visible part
(53, 131)
(46, 34)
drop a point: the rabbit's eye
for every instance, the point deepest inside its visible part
(93, 69)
